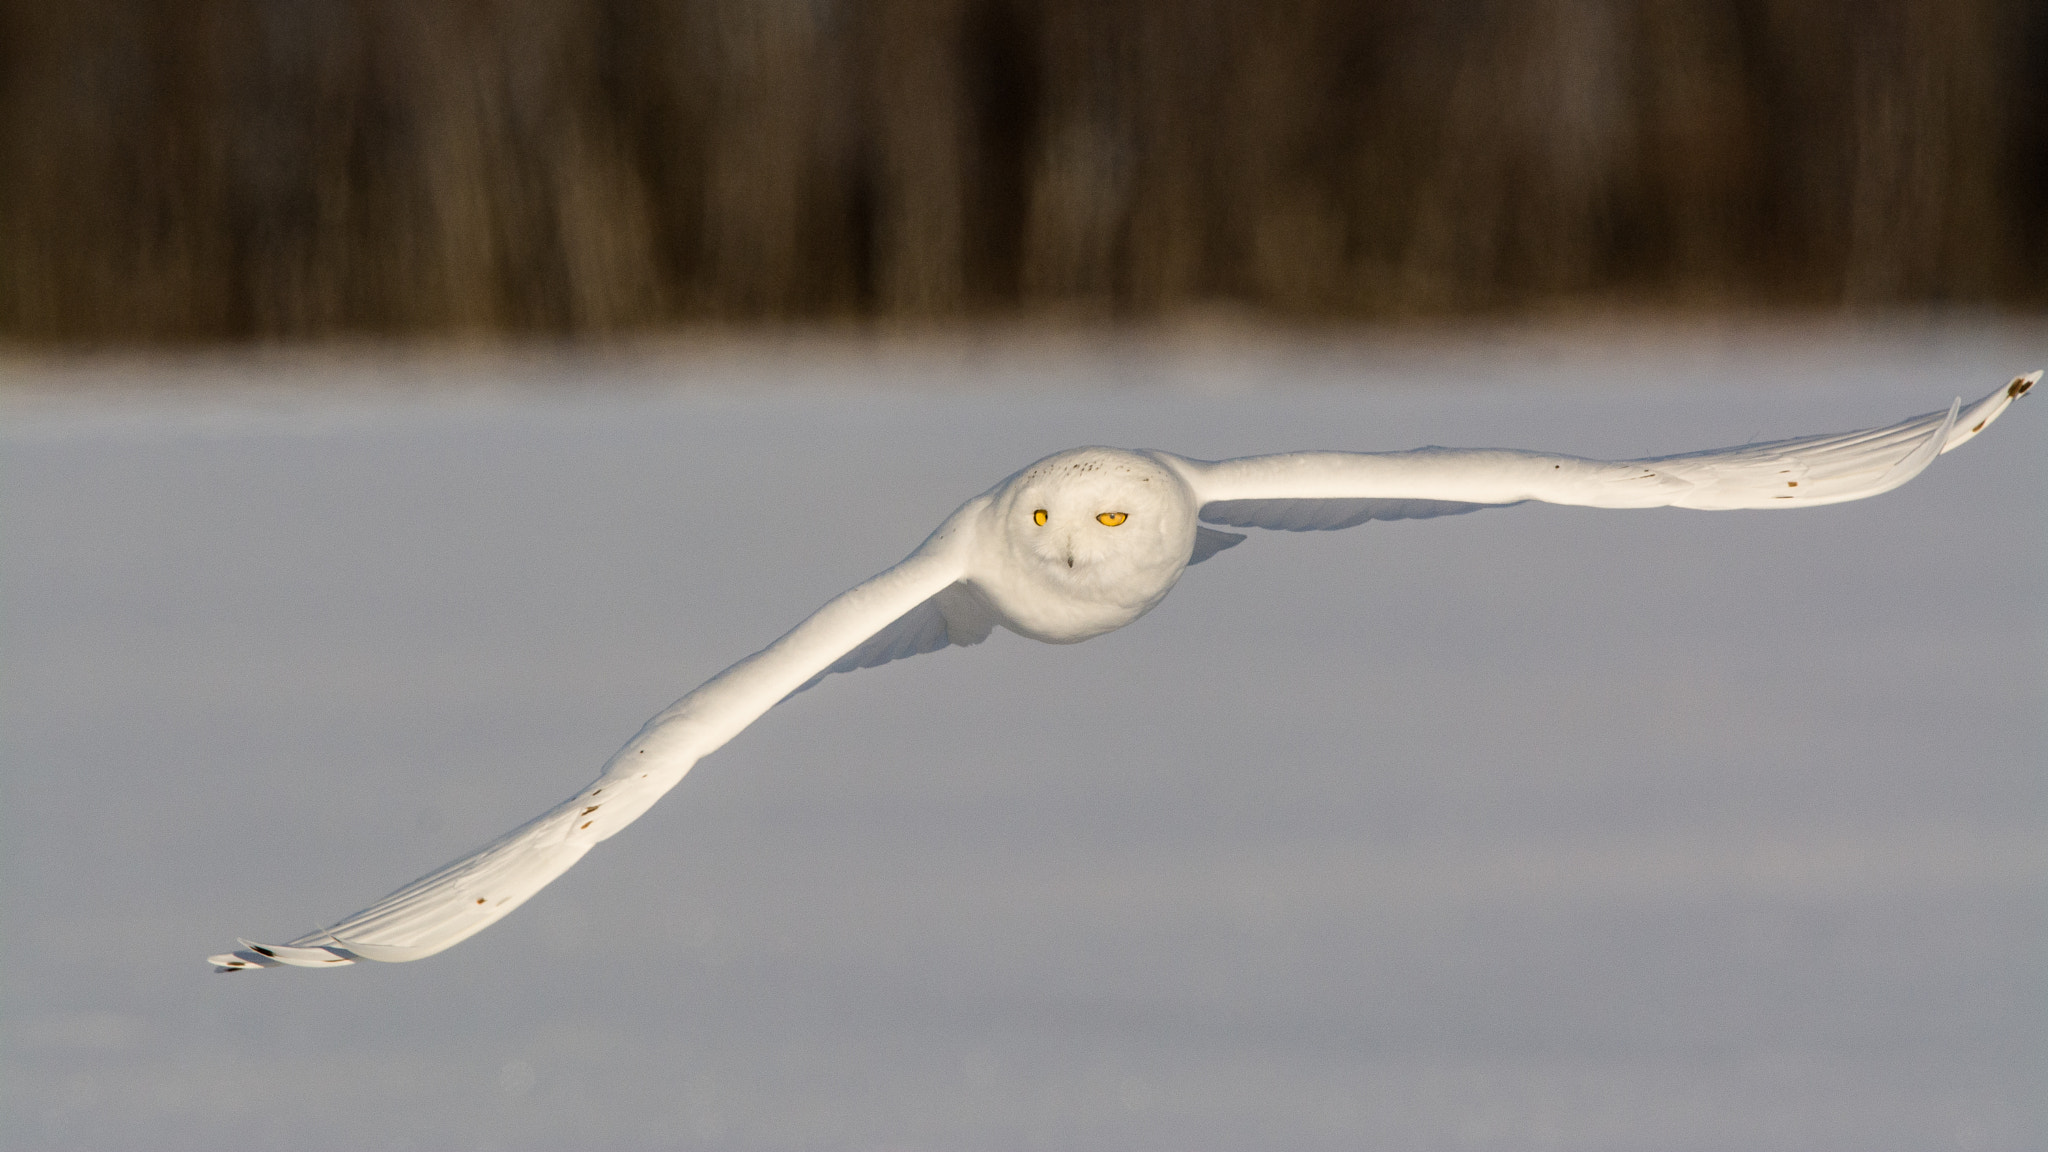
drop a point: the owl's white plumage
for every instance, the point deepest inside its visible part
(1073, 576)
(1076, 545)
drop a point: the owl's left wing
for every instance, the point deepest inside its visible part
(1305, 491)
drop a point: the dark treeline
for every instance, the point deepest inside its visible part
(174, 169)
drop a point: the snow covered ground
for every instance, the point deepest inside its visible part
(1534, 828)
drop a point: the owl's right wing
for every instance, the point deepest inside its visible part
(917, 606)
(1303, 491)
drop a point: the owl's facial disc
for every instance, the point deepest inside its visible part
(1101, 517)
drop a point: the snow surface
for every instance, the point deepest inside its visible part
(1299, 861)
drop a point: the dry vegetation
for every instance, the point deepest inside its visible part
(174, 169)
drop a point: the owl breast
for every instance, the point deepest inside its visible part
(1082, 543)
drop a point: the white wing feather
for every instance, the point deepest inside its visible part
(455, 902)
(1315, 490)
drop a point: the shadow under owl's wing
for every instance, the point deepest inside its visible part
(1329, 514)
(954, 615)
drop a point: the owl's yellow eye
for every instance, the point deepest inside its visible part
(1038, 517)
(1113, 518)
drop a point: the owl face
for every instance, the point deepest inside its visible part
(1091, 539)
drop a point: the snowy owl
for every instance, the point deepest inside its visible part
(1078, 544)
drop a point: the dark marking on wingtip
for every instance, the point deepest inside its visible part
(592, 808)
(2018, 387)
(585, 824)
(264, 951)
(1979, 427)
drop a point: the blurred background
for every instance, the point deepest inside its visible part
(220, 169)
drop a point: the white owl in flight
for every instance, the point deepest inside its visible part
(1082, 543)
